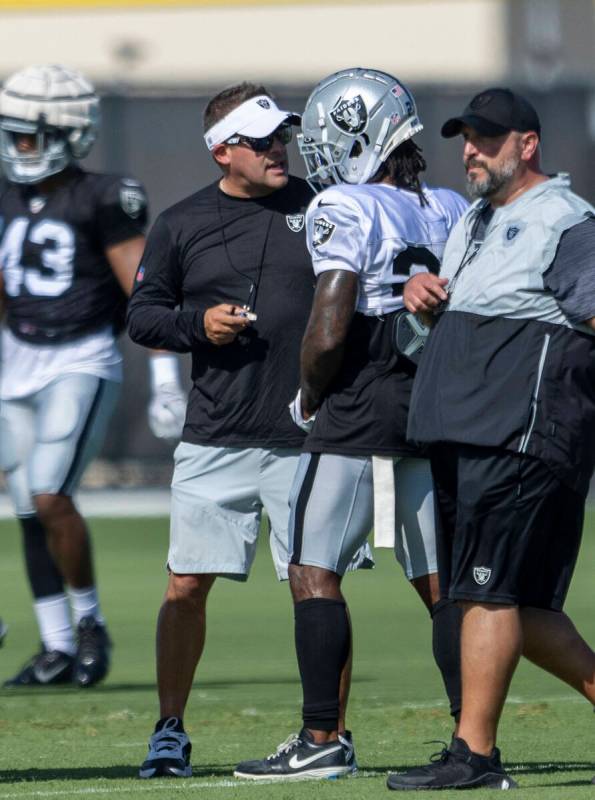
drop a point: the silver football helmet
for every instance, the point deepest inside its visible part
(353, 120)
(55, 105)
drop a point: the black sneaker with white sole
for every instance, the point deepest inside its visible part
(93, 652)
(455, 767)
(169, 751)
(297, 758)
(48, 667)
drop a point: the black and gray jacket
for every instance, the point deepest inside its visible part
(505, 365)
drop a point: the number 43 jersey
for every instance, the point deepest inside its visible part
(384, 235)
(58, 283)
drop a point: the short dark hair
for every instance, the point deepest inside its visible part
(230, 98)
(403, 167)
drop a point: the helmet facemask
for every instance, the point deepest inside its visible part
(49, 155)
(55, 106)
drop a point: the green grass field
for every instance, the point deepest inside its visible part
(65, 742)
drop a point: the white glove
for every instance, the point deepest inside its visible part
(295, 409)
(167, 406)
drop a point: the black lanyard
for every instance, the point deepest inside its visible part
(254, 281)
(484, 214)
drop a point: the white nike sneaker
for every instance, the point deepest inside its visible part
(169, 752)
(297, 758)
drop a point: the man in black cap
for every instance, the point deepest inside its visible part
(505, 398)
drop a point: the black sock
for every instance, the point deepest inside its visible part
(446, 644)
(44, 576)
(322, 639)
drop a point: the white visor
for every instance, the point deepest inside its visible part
(257, 117)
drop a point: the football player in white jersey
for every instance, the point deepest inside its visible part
(70, 243)
(372, 226)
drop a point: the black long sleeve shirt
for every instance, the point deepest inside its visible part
(212, 248)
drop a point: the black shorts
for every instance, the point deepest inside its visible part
(509, 531)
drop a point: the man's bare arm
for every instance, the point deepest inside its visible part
(124, 259)
(323, 342)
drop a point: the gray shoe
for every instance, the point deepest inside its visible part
(169, 752)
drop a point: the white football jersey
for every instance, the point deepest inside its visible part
(383, 234)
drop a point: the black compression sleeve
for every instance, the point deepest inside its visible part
(322, 639)
(446, 644)
(44, 578)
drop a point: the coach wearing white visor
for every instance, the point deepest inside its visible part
(226, 276)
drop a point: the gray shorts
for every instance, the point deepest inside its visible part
(332, 512)
(218, 495)
(48, 438)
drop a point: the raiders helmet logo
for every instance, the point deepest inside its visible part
(295, 222)
(350, 115)
(482, 575)
(263, 103)
(323, 230)
(132, 198)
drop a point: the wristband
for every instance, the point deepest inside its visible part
(163, 369)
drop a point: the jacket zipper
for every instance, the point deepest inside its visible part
(527, 435)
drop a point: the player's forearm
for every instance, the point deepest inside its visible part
(318, 369)
(324, 339)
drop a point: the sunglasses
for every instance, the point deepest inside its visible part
(261, 144)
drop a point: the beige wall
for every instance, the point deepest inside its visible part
(214, 44)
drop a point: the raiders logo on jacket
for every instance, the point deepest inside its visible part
(58, 283)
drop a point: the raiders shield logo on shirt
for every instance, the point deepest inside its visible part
(37, 204)
(132, 199)
(295, 222)
(350, 115)
(323, 230)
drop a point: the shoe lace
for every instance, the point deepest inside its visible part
(440, 755)
(285, 747)
(173, 740)
(167, 740)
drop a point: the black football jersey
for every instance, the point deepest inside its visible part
(58, 282)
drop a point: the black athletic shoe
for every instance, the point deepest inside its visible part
(48, 667)
(346, 739)
(455, 767)
(298, 757)
(169, 752)
(93, 652)
(3, 632)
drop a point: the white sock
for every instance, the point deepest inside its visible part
(84, 603)
(55, 627)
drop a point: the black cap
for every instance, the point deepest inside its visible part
(494, 112)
